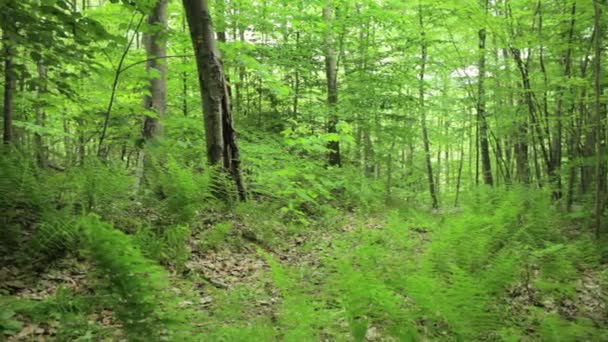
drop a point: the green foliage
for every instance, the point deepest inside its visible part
(23, 200)
(8, 324)
(180, 190)
(368, 302)
(168, 245)
(456, 274)
(555, 328)
(140, 289)
(67, 314)
(297, 184)
(215, 237)
(95, 187)
(56, 234)
(363, 193)
(299, 317)
(303, 186)
(229, 318)
(353, 251)
(260, 220)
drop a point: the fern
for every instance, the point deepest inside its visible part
(143, 301)
(181, 191)
(299, 318)
(168, 245)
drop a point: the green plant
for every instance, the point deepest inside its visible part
(181, 191)
(57, 234)
(140, 288)
(168, 245)
(300, 317)
(8, 324)
(215, 237)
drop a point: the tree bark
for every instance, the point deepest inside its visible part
(600, 168)
(220, 137)
(556, 143)
(425, 134)
(41, 153)
(331, 72)
(156, 51)
(486, 166)
(9, 87)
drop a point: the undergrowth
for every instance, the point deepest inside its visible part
(508, 264)
(139, 290)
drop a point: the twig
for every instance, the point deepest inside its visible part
(151, 59)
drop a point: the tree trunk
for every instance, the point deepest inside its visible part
(41, 153)
(600, 168)
(529, 100)
(556, 143)
(9, 88)
(331, 72)
(296, 83)
(156, 98)
(184, 78)
(486, 166)
(220, 137)
(459, 175)
(156, 51)
(389, 172)
(425, 134)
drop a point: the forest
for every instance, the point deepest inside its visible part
(304, 170)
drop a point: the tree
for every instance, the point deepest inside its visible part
(482, 123)
(421, 98)
(600, 115)
(9, 84)
(220, 137)
(41, 150)
(331, 74)
(156, 51)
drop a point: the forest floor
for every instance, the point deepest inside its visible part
(242, 285)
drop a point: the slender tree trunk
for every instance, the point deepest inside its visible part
(184, 78)
(41, 152)
(447, 159)
(119, 70)
(220, 137)
(296, 83)
(331, 72)
(529, 100)
(389, 172)
(241, 86)
(425, 134)
(585, 143)
(482, 123)
(82, 147)
(556, 143)
(9, 87)
(600, 168)
(369, 155)
(459, 175)
(510, 143)
(156, 51)
(155, 100)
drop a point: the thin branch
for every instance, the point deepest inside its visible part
(115, 85)
(150, 59)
